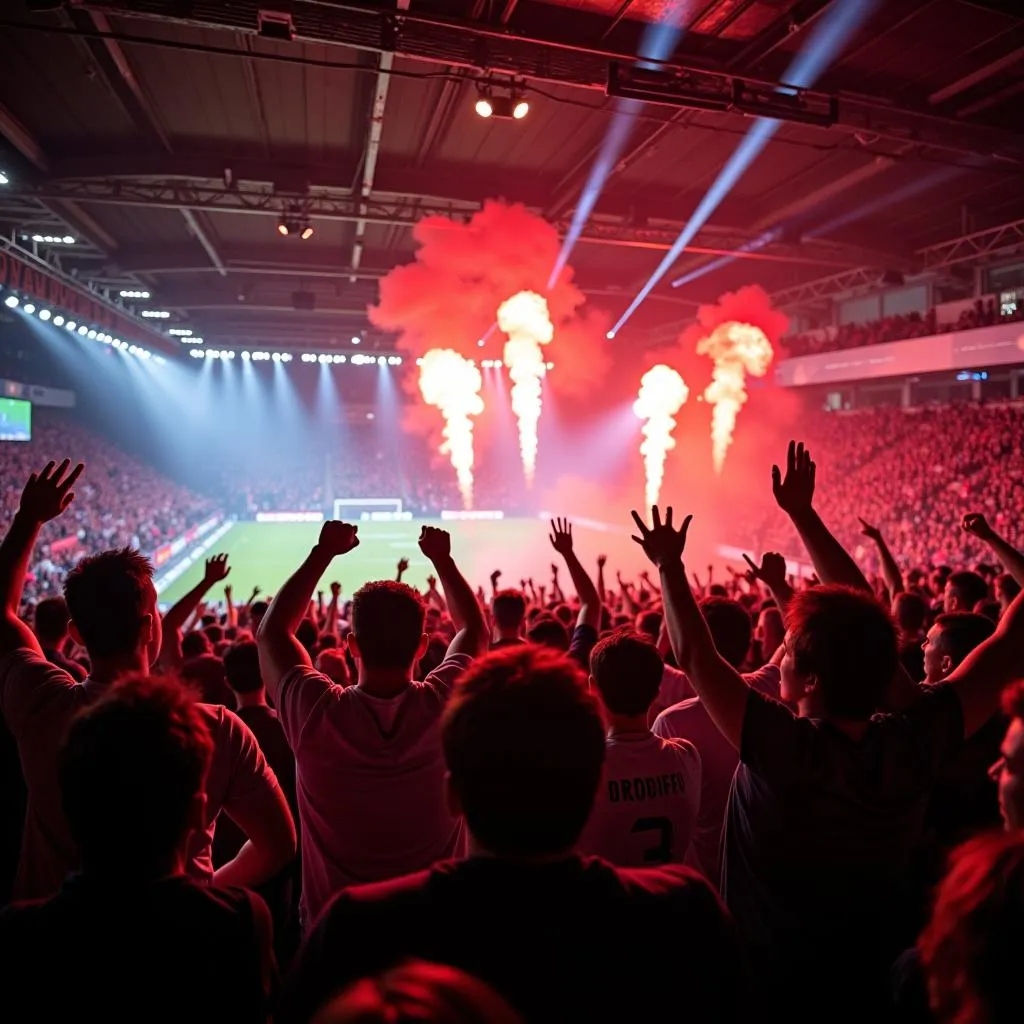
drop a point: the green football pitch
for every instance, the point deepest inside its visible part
(265, 554)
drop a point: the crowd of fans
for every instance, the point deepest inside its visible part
(659, 799)
(895, 328)
(124, 502)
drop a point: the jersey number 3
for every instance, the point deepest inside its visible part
(662, 853)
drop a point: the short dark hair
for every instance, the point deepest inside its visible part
(258, 609)
(991, 610)
(1006, 584)
(195, 644)
(387, 620)
(961, 632)
(911, 611)
(547, 631)
(307, 634)
(730, 626)
(51, 618)
(563, 613)
(242, 667)
(215, 634)
(627, 671)
(129, 770)
(524, 743)
(108, 595)
(509, 609)
(970, 587)
(649, 624)
(848, 640)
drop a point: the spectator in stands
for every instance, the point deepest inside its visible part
(851, 785)
(51, 622)
(1006, 588)
(646, 804)
(911, 613)
(1008, 770)
(563, 938)
(508, 609)
(547, 631)
(964, 589)
(970, 949)
(332, 663)
(112, 603)
(376, 744)
(132, 933)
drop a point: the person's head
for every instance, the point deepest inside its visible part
(508, 610)
(963, 591)
(563, 613)
(1006, 588)
(951, 638)
(910, 612)
(771, 631)
(991, 610)
(307, 634)
(524, 744)
(1008, 771)
(214, 633)
(112, 603)
(132, 772)
(649, 624)
(841, 653)
(195, 645)
(242, 667)
(332, 663)
(51, 621)
(970, 949)
(729, 623)
(418, 993)
(437, 648)
(387, 626)
(547, 631)
(626, 669)
(256, 612)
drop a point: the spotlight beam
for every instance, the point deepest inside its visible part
(827, 38)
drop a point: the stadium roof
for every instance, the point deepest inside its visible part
(169, 138)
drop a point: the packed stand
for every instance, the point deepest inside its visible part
(123, 503)
(588, 798)
(895, 328)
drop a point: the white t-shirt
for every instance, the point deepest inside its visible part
(646, 806)
(689, 720)
(369, 777)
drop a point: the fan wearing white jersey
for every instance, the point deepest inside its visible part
(369, 770)
(647, 803)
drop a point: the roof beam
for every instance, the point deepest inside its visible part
(991, 241)
(976, 77)
(22, 140)
(204, 238)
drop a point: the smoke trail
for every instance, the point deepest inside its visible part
(524, 318)
(736, 350)
(452, 383)
(662, 394)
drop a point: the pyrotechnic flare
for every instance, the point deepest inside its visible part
(736, 349)
(662, 394)
(524, 318)
(452, 383)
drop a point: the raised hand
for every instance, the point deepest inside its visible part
(435, 543)
(871, 532)
(554, 570)
(228, 592)
(335, 590)
(662, 543)
(522, 584)
(48, 493)
(976, 524)
(217, 569)
(256, 591)
(794, 492)
(771, 572)
(403, 564)
(432, 582)
(602, 561)
(561, 538)
(338, 538)
(495, 576)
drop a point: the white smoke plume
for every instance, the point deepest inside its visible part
(662, 394)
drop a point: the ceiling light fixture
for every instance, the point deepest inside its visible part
(504, 100)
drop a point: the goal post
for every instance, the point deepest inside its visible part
(365, 509)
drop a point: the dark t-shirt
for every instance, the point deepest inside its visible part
(269, 733)
(167, 951)
(573, 940)
(821, 830)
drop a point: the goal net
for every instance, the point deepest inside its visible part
(365, 509)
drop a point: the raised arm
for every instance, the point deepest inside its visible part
(602, 591)
(720, 687)
(229, 607)
(216, 569)
(590, 602)
(471, 637)
(794, 494)
(1013, 560)
(890, 570)
(556, 587)
(772, 573)
(403, 564)
(280, 651)
(980, 678)
(331, 615)
(46, 495)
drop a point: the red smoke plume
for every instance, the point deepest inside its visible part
(448, 297)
